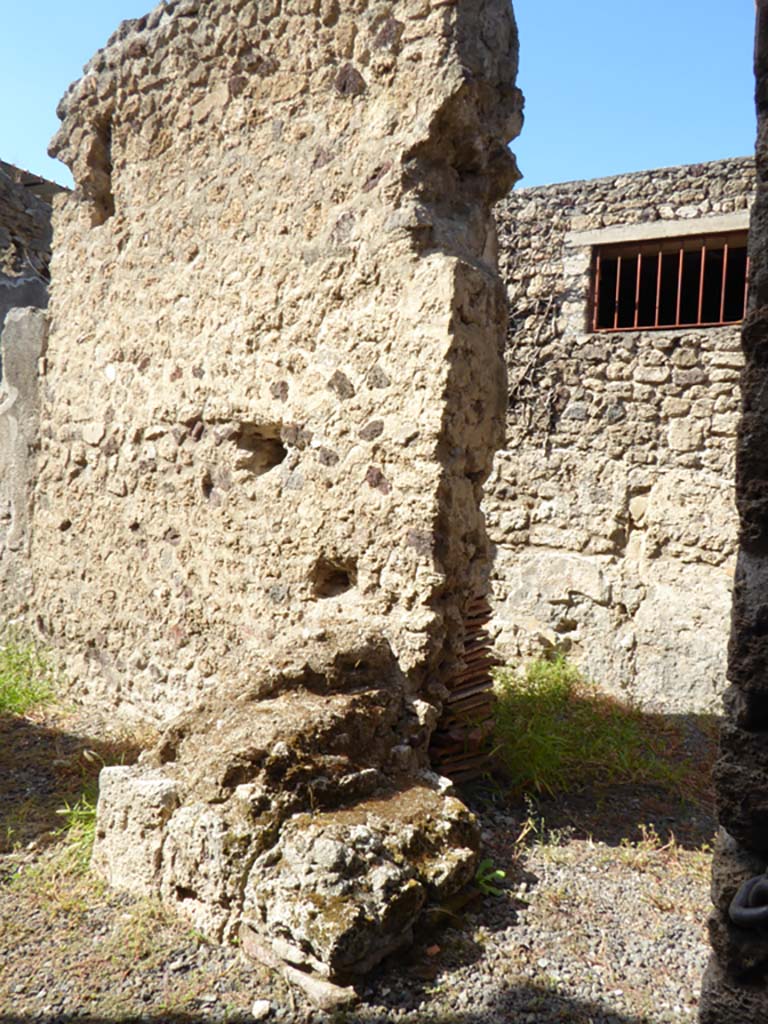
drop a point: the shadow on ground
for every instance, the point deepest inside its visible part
(45, 764)
(48, 760)
(538, 1005)
(617, 813)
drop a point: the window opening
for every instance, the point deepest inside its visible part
(684, 282)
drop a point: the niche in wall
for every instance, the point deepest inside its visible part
(332, 577)
(259, 448)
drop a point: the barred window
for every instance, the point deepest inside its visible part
(667, 283)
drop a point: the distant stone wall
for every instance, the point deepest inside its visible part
(611, 505)
(25, 252)
(22, 345)
(25, 242)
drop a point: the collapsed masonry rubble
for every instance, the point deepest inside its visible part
(610, 505)
(274, 387)
(736, 984)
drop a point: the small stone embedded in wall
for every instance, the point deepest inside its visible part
(371, 430)
(376, 479)
(342, 385)
(349, 81)
(376, 378)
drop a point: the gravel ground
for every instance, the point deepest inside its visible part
(601, 921)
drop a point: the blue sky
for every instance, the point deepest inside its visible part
(611, 86)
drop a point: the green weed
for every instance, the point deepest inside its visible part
(488, 878)
(26, 675)
(535, 829)
(556, 731)
(60, 881)
(78, 831)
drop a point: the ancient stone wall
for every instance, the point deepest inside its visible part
(736, 983)
(22, 345)
(267, 287)
(25, 250)
(25, 239)
(611, 505)
(274, 387)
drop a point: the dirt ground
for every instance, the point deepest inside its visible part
(601, 917)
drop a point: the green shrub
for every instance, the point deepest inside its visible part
(26, 675)
(556, 731)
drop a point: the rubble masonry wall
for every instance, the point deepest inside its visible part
(272, 284)
(25, 250)
(22, 346)
(25, 245)
(610, 505)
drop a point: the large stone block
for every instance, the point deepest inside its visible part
(133, 809)
(388, 854)
(303, 816)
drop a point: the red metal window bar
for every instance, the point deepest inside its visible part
(670, 283)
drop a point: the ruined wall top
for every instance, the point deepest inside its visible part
(38, 186)
(658, 194)
(227, 59)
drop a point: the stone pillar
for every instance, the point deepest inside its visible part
(275, 388)
(736, 983)
(21, 348)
